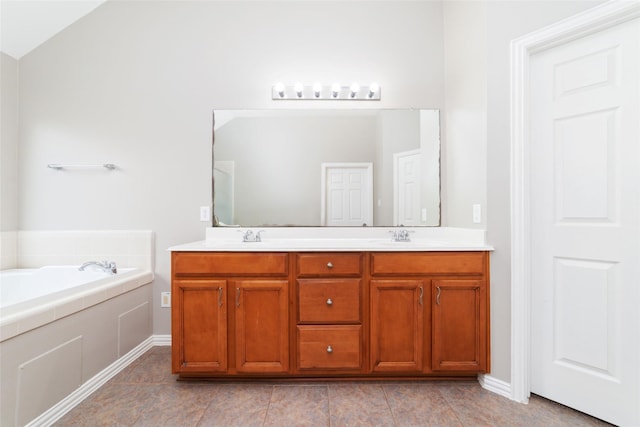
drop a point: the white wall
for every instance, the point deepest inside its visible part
(8, 143)
(134, 83)
(465, 115)
(8, 160)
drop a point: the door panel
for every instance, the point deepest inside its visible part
(585, 229)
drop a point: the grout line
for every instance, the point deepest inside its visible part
(386, 399)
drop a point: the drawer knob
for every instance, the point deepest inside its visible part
(329, 264)
(329, 301)
(329, 349)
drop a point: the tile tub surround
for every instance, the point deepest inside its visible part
(339, 239)
(129, 248)
(145, 393)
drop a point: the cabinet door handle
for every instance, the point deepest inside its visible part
(421, 295)
(329, 301)
(220, 292)
(329, 265)
(237, 297)
(329, 349)
(438, 295)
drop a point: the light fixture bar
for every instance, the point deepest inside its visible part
(317, 91)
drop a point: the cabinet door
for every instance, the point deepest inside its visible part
(261, 326)
(459, 326)
(199, 326)
(397, 325)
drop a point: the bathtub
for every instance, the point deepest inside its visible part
(39, 284)
(59, 328)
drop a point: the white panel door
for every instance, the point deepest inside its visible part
(585, 197)
(347, 194)
(407, 183)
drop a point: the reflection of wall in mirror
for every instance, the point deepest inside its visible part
(223, 177)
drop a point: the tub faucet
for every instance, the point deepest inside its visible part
(106, 266)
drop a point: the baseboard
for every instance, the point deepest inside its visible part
(495, 385)
(57, 411)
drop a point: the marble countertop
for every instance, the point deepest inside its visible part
(338, 239)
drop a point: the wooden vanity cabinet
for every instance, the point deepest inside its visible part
(230, 313)
(429, 312)
(330, 314)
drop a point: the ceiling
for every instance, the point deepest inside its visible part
(26, 24)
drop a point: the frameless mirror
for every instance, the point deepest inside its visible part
(326, 167)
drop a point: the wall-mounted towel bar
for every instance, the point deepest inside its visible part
(59, 166)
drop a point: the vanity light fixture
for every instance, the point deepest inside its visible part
(318, 91)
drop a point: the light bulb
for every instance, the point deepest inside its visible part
(335, 90)
(355, 87)
(317, 88)
(279, 87)
(373, 89)
(298, 89)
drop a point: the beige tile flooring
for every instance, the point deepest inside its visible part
(146, 394)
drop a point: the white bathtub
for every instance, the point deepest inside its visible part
(30, 298)
(21, 285)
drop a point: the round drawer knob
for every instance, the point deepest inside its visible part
(329, 264)
(329, 349)
(329, 301)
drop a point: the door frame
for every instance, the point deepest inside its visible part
(583, 24)
(367, 167)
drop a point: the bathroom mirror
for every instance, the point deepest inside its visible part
(333, 167)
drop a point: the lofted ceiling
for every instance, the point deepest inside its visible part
(26, 24)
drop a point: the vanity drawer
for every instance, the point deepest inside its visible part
(330, 347)
(329, 300)
(329, 264)
(230, 263)
(402, 263)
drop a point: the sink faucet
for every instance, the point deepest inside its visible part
(106, 266)
(400, 235)
(250, 236)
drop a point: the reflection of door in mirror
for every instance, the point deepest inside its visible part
(223, 175)
(347, 194)
(406, 188)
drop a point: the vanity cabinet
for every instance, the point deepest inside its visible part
(429, 312)
(329, 322)
(230, 313)
(330, 314)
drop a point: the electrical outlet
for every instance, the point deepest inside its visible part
(205, 213)
(477, 214)
(165, 299)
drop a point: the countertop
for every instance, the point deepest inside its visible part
(338, 239)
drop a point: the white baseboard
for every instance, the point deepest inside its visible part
(495, 385)
(57, 411)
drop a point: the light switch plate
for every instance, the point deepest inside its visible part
(205, 213)
(477, 214)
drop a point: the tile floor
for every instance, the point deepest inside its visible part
(146, 394)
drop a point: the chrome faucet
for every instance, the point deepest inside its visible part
(250, 236)
(400, 235)
(106, 266)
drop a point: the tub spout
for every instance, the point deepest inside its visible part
(106, 266)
